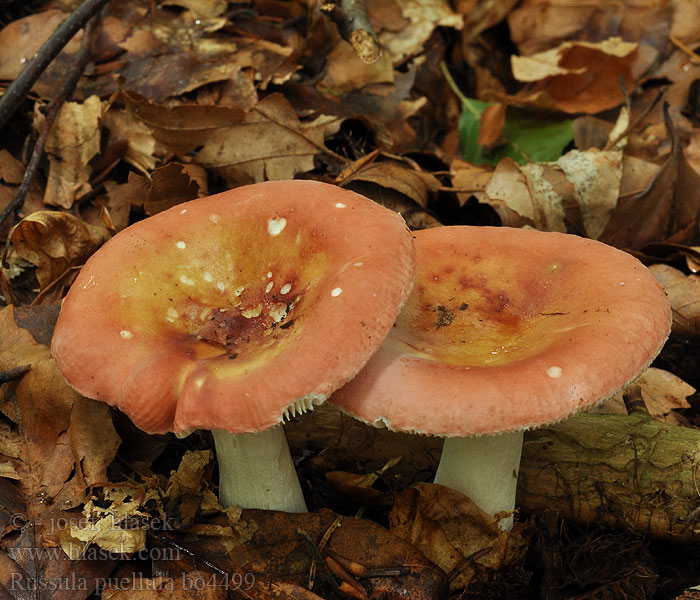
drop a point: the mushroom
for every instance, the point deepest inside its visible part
(505, 330)
(233, 313)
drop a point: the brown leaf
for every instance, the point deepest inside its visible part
(73, 141)
(269, 143)
(68, 441)
(449, 528)
(491, 125)
(684, 295)
(181, 128)
(55, 242)
(347, 72)
(665, 211)
(21, 39)
(537, 25)
(170, 185)
(469, 180)
(279, 556)
(424, 16)
(419, 186)
(576, 76)
(11, 170)
(662, 392)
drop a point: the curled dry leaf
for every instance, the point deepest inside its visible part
(417, 185)
(684, 295)
(55, 242)
(73, 141)
(576, 76)
(662, 393)
(449, 528)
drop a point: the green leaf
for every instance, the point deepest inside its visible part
(529, 139)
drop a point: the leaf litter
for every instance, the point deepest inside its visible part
(529, 114)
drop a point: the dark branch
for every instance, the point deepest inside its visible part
(15, 94)
(354, 27)
(52, 109)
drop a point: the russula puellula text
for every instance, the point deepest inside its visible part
(234, 312)
(505, 330)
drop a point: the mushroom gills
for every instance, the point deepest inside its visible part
(301, 405)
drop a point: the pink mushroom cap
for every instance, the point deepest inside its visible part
(508, 329)
(235, 310)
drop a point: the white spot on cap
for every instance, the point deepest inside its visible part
(339, 205)
(186, 280)
(250, 313)
(275, 226)
(269, 287)
(181, 245)
(173, 313)
(285, 288)
(183, 211)
(199, 382)
(207, 276)
(269, 274)
(554, 372)
(238, 291)
(335, 292)
(127, 335)
(622, 283)
(220, 285)
(357, 264)
(214, 218)
(90, 282)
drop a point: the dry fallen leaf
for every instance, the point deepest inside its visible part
(21, 39)
(269, 143)
(449, 528)
(55, 242)
(666, 211)
(576, 76)
(283, 546)
(73, 141)
(67, 440)
(684, 295)
(169, 185)
(662, 392)
(194, 585)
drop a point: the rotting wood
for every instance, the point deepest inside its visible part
(627, 471)
(623, 470)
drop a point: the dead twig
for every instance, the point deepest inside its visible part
(350, 16)
(14, 95)
(51, 113)
(694, 57)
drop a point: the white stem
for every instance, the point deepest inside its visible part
(256, 471)
(485, 468)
